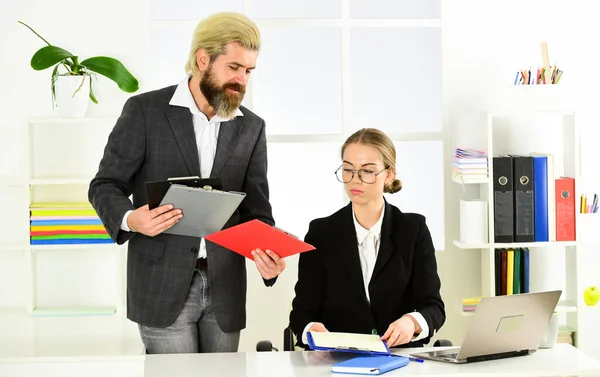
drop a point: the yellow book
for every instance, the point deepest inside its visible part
(84, 205)
(510, 268)
(63, 212)
(471, 300)
(49, 228)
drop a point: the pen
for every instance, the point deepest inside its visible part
(415, 359)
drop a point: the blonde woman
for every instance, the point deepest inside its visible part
(374, 269)
(187, 295)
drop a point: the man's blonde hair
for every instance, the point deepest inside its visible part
(216, 31)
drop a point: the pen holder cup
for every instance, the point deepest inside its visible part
(549, 339)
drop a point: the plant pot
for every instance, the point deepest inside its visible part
(72, 95)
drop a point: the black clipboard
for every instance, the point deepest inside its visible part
(156, 190)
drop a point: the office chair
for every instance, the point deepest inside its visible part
(289, 342)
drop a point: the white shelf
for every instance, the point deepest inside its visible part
(58, 120)
(566, 306)
(458, 180)
(463, 245)
(73, 246)
(51, 311)
(54, 175)
(60, 181)
(535, 124)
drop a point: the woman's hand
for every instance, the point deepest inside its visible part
(318, 327)
(400, 331)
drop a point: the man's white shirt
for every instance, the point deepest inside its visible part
(207, 134)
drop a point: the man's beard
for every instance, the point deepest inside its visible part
(222, 101)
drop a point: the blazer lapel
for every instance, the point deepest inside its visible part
(229, 133)
(348, 249)
(386, 246)
(182, 124)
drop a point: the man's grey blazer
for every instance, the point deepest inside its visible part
(153, 140)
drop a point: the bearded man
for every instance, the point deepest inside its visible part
(185, 294)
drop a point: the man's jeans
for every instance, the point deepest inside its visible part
(195, 329)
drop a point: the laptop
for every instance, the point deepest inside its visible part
(502, 326)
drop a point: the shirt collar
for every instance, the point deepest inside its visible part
(183, 98)
(362, 233)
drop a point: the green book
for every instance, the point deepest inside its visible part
(517, 272)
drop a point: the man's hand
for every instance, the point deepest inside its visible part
(268, 263)
(400, 331)
(153, 222)
(318, 327)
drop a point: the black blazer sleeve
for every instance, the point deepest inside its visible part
(426, 282)
(309, 289)
(256, 187)
(110, 189)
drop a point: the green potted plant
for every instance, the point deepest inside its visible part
(71, 85)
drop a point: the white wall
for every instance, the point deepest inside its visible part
(483, 43)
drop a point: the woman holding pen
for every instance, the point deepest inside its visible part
(374, 270)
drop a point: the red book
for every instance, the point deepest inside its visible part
(565, 209)
(255, 234)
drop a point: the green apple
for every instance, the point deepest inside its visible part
(591, 295)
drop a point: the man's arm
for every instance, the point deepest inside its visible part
(110, 189)
(257, 205)
(256, 187)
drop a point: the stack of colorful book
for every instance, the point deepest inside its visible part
(470, 165)
(565, 335)
(62, 223)
(469, 304)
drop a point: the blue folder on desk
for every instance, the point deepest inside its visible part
(373, 365)
(348, 342)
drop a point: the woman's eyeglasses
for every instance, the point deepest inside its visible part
(346, 175)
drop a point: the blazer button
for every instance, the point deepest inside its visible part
(194, 250)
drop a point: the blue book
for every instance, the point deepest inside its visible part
(540, 197)
(525, 269)
(66, 222)
(370, 364)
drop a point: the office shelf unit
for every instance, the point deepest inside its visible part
(553, 265)
(73, 279)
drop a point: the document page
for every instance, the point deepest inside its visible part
(340, 340)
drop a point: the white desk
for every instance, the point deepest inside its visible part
(66, 357)
(563, 360)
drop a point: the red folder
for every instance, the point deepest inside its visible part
(565, 209)
(255, 234)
